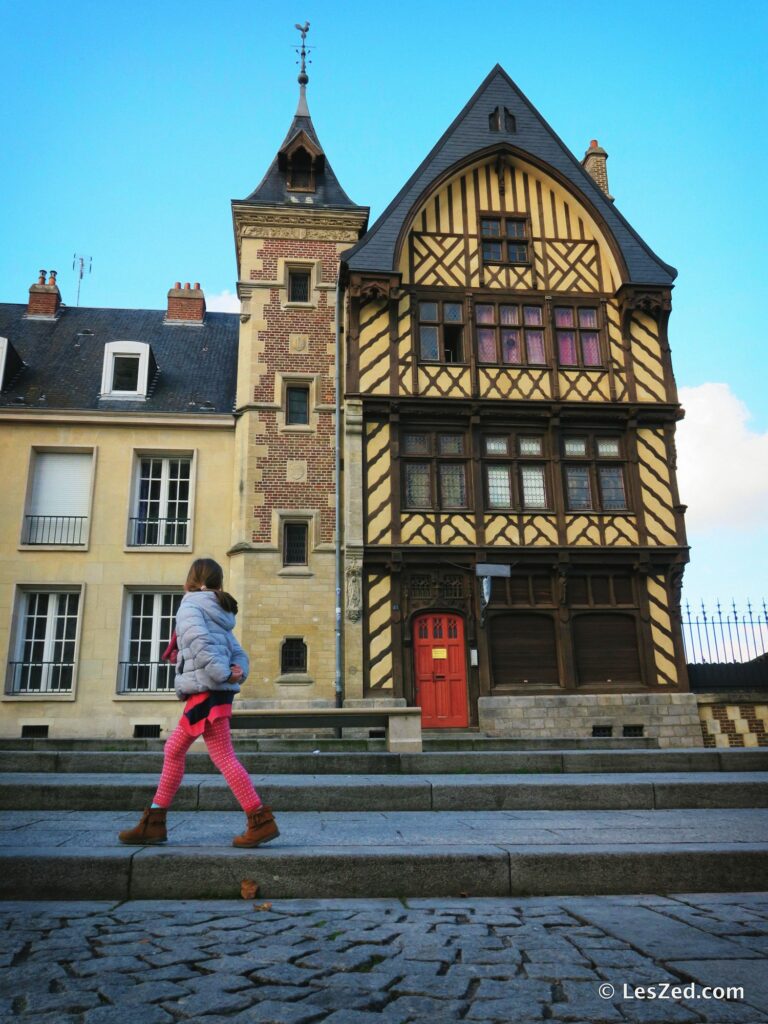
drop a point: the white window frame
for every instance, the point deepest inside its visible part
(129, 593)
(34, 452)
(125, 348)
(135, 496)
(18, 630)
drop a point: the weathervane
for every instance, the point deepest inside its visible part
(302, 109)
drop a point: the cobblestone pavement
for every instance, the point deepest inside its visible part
(564, 959)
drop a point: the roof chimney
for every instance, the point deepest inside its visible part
(44, 299)
(594, 163)
(185, 305)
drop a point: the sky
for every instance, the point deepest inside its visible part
(129, 128)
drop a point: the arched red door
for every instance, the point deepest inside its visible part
(440, 666)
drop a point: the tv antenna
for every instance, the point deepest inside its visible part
(83, 265)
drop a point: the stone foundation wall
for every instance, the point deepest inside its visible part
(672, 719)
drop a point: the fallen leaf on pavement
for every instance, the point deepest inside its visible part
(249, 888)
(262, 906)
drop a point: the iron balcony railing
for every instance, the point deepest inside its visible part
(55, 529)
(146, 677)
(40, 677)
(147, 532)
(727, 635)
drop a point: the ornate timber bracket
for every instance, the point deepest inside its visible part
(371, 287)
(653, 302)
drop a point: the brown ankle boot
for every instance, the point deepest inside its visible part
(261, 828)
(149, 831)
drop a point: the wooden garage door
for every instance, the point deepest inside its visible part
(606, 649)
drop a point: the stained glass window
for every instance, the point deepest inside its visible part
(499, 489)
(418, 493)
(453, 490)
(608, 447)
(612, 487)
(416, 444)
(496, 446)
(530, 445)
(450, 444)
(578, 489)
(533, 485)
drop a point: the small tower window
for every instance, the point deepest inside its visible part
(295, 543)
(297, 406)
(300, 172)
(293, 657)
(298, 286)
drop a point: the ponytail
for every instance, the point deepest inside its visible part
(205, 574)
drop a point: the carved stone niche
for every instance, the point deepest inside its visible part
(367, 287)
(354, 589)
(654, 302)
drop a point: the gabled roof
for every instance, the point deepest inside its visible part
(273, 190)
(63, 357)
(471, 133)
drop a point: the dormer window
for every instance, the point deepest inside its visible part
(300, 176)
(129, 367)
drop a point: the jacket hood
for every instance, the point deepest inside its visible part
(207, 602)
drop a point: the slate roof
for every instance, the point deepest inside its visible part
(197, 364)
(469, 133)
(328, 194)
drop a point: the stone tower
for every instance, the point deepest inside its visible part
(289, 233)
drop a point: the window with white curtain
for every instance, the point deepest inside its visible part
(59, 500)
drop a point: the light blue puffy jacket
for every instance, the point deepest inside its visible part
(207, 646)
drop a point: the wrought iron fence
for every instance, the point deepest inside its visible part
(144, 532)
(146, 677)
(40, 677)
(55, 529)
(726, 635)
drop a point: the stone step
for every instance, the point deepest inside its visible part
(75, 855)
(439, 739)
(383, 763)
(367, 793)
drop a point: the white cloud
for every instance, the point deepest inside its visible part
(722, 465)
(224, 302)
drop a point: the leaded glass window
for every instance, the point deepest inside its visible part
(509, 334)
(577, 335)
(441, 332)
(504, 239)
(578, 488)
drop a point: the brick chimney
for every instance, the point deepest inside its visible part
(185, 305)
(44, 299)
(594, 163)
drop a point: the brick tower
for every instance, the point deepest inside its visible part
(289, 233)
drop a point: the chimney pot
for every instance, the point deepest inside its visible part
(44, 299)
(185, 306)
(594, 163)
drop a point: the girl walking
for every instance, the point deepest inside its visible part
(210, 666)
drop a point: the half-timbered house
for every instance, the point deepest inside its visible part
(521, 542)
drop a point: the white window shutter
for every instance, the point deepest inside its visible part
(62, 484)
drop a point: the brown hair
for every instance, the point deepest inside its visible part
(206, 574)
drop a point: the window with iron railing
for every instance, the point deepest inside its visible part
(59, 502)
(150, 617)
(162, 506)
(45, 645)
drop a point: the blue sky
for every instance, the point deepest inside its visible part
(129, 128)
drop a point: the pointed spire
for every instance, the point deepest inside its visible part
(303, 110)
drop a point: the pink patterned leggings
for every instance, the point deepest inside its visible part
(219, 743)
